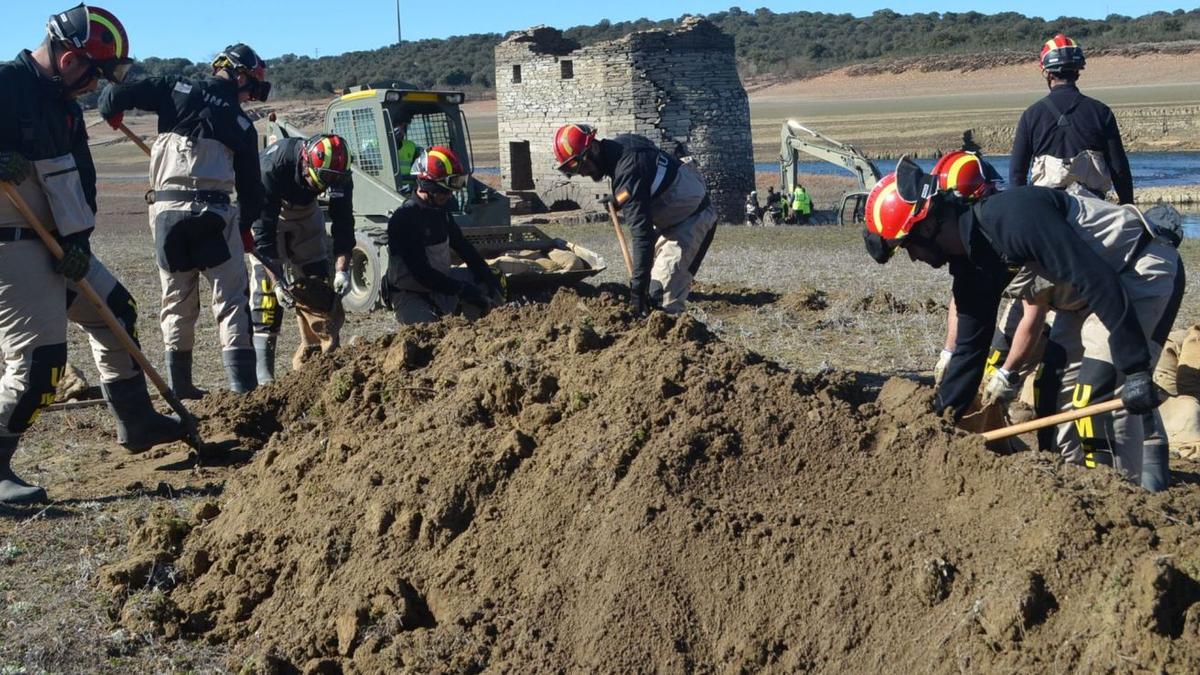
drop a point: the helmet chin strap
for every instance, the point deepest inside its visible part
(67, 88)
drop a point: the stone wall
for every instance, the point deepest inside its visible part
(680, 89)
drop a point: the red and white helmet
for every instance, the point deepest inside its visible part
(327, 161)
(439, 167)
(888, 214)
(962, 173)
(570, 142)
(96, 34)
(1061, 53)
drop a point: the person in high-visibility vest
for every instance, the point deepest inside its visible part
(406, 150)
(801, 204)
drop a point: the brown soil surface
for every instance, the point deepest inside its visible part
(904, 79)
(559, 488)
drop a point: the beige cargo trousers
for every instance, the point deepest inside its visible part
(36, 301)
(195, 239)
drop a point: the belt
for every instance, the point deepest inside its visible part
(203, 196)
(17, 234)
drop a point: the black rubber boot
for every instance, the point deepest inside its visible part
(179, 376)
(239, 366)
(139, 426)
(13, 490)
(264, 358)
(1156, 456)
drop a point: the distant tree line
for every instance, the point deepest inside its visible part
(788, 45)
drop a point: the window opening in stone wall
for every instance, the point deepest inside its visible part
(358, 127)
(516, 78)
(568, 69)
(521, 166)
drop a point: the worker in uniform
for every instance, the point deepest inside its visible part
(206, 148)
(44, 155)
(774, 207)
(1067, 139)
(753, 209)
(290, 232)
(1055, 315)
(406, 150)
(422, 285)
(1121, 269)
(664, 202)
(801, 205)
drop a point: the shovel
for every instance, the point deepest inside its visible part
(192, 433)
(612, 213)
(1052, 420)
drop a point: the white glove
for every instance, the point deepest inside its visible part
(285, 299)
(341, 283)
(939, 370)
(1000, 389)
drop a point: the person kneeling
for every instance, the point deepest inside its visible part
(423, 287)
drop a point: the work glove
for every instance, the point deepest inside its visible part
(116, 120)
(1001, 389)
(248, 241)
(77, 256)
(1140, 394)
(341, 283)
(939, 369)
(470, 293)
(493, 285)
(285, 299)
(14, 168)
(639, 303)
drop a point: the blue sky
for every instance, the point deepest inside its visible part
(199, 28)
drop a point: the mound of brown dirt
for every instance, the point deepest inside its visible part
(804, 300)
(558, 488)
(883, 302)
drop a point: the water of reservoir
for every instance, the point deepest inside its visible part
(1150, 169)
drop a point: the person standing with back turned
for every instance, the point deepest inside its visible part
(1067, 139)
(206, 148)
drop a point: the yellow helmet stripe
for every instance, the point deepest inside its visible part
(565, 141)
(955, 168)
(121, 53)
(877, 211)
(446, 163)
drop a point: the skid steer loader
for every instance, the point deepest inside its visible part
(365, 117)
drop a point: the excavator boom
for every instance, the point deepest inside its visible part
(795, 138)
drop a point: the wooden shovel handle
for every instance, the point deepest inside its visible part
(1052, 420)
(612, 213)
(85, 289)
(137, 140)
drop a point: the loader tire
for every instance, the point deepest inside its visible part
(368, 269)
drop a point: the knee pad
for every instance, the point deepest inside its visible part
(1097, 382)
(124, 307)
(45, 368)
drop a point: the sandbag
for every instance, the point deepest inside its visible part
(512, 265)
(566, 260)
(1181, 419)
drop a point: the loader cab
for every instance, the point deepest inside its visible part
(369, 118)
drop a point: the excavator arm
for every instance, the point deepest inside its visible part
(795, 138)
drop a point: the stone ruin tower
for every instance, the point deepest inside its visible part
(678, 88)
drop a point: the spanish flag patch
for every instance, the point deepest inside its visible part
(622, 197)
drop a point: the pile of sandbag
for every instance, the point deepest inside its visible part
(528, 261)
(1178, 372)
